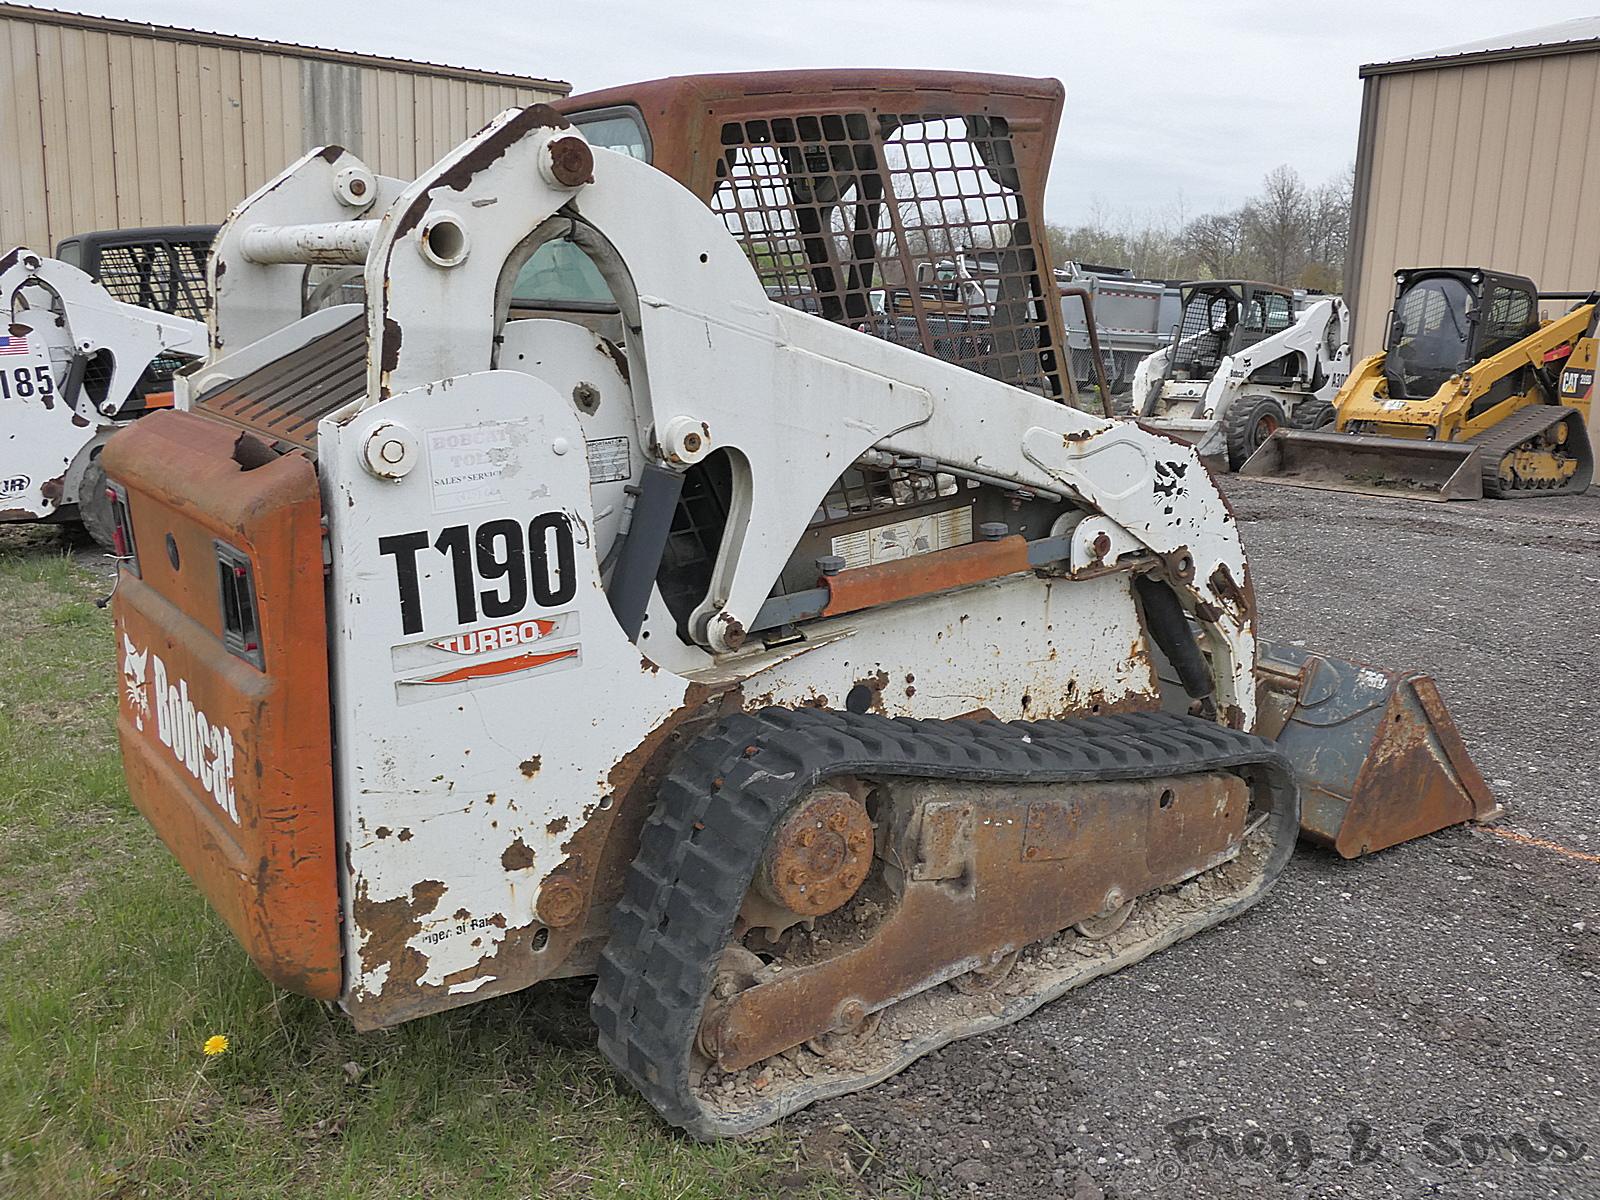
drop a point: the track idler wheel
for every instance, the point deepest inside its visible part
(819, 855)
(1108, 920)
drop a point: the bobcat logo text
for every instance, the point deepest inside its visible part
(202, 746)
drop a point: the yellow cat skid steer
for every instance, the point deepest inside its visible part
(1472, 396)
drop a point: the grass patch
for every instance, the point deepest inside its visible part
(113, 972)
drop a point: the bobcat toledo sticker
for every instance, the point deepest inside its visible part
(12, 486)
(200, 745)
(467, 462)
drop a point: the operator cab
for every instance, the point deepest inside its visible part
(1222, 317)
(1445, 319)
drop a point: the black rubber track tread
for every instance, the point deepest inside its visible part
(727, 789)
(1521, 425)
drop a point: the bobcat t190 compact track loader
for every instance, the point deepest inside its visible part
(1472, 396)
(1246, 359)
(572, 605)
(76, 365)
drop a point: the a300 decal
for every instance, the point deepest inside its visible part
(496, 567)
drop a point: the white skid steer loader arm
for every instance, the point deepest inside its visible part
(71, 363)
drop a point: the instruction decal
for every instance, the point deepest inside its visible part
(610, 460)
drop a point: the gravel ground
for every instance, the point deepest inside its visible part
(1425, 1022)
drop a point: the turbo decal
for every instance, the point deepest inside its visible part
(499, 666)
(201, 746)
(495, 637)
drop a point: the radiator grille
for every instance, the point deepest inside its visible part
(284, 400)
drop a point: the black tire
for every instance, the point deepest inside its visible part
(1250, 421)
(94, 508)
(1312, 414)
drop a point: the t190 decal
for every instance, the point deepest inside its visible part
(517, 563)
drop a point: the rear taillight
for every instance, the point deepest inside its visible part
(241, 621)
(122, 543)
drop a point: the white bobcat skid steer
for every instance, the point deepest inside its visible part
(75, 365)
(471, 648)
(1245, 360)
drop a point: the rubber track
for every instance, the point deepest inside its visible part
(728, 788)
(1499, 440)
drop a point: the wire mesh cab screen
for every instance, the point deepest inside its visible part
(164, 273)
(911, 227)
(1204, 331)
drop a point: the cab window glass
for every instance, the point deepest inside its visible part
(1255, 314)
(1510, 316)
(1278, 313)
(621, 130)
(558, 274)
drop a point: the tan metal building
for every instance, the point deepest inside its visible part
(1486, 155)
(107, 124)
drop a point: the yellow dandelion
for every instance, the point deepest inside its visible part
(215, 1044)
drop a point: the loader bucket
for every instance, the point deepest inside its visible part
(1380, 466)
(1377, 756)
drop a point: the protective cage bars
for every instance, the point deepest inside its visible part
(927, 210)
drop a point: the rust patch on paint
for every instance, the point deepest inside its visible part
(517, 857)
(387, 925)
(529, 766)
(559, 825)
(1237, 598)
(618, 358)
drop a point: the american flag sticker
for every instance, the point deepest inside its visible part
(13, 345)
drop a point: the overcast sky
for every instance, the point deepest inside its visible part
(1169, 102)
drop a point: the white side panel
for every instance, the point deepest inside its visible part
(39, 434)
(456, 793)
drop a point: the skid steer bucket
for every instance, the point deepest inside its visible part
(1378, 759)
(1380, 466)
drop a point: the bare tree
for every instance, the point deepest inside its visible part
(1218, 246)
(1329, 232)
(1288, 234)
(1277, 224)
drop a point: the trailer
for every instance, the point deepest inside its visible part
(1134, 318)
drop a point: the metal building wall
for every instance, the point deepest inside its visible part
(1490, 164)
(107, 124)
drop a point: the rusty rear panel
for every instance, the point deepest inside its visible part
(229, 761)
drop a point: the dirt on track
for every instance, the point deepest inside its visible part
(1422, 1023)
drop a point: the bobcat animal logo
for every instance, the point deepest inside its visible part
(134, 667)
